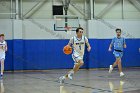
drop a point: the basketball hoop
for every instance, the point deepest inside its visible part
(68, 29)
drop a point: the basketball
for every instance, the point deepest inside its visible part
(67, 50)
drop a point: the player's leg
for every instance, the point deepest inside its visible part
(62, 78)
(119, 65)
(2, 67)
(120, 68)
(78, 63)
(115, 63)
(75, 68)
(118, 62)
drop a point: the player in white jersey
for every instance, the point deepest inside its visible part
(3, 49)
(78, 47)
(78, 44)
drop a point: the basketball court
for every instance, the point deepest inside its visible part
(42, 38)
(86, 81)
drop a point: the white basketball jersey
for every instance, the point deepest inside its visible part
(79, 45)
(2, 46)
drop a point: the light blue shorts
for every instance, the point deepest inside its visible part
(118, 54)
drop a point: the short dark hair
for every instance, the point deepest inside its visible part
(77, 30)
(1, 34)
(118, 29)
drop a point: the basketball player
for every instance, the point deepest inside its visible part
(78, 44)
(3, 49)
(118, 43)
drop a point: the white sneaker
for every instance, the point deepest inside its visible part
(110, 69)
(70, 76)
(61, 79)
(121, 74)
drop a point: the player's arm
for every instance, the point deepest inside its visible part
(87, 44)
(110, 47)
(124, 44)
(111, 44)
(71, 41)
(6, 47)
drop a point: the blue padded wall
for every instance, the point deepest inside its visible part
(48, 54)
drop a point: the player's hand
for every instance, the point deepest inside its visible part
(124, 45)
(68, 45)
(109, 49)
(88, 49)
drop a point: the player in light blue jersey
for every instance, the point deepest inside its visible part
(118, 43)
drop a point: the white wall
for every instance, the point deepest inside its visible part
(99, 30)
(6, 27)
(43, 29)
(17, 29)
(34, 29)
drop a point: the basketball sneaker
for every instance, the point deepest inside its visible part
(121, 74)
(70, 76)
(61, 79)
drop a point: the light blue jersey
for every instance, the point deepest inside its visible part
(118, 43)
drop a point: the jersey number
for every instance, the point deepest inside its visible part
(80, 47)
